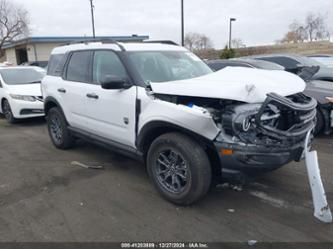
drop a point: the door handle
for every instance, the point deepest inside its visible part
(92, 96)
(62, 90)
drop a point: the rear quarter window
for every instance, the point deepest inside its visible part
(56, 64)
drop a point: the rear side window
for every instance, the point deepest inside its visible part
(56, 65)
(78, 67)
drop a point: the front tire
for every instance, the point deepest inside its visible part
(7, 112)
(320, 123)
(59, 133)
(179, 168)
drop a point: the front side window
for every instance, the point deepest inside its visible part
(21, 76)
(164, 66)
(107, 63)
(78, 67)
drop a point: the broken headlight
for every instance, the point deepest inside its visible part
(242, 118)
(239, 118)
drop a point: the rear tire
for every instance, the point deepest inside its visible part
(7, 112)
(59, 133)
(179, 168)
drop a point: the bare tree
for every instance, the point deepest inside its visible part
(297, 33)
(196, 41)
(316, 27)
(237, 43)
(190, 40)
(14, 22)
(204, 42)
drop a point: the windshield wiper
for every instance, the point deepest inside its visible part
(34, 82)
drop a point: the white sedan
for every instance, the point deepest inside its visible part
(20, 93)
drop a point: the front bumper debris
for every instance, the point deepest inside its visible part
(266, 147)
(301, 117)
(321, 208)
(247, 158)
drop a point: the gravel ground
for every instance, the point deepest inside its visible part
(43, 197)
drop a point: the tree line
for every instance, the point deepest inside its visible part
(314, 28)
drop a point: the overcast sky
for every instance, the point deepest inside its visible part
(258, 21)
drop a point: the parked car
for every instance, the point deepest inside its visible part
(322, 91)
(161, 104)
(325, 59)
(295, 63)
(20, 93)
(41, 64)
(216, 65)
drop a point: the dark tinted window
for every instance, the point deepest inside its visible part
(283, 61)
(56, 64)
(107, 63)
(78, 67)
(216, 66)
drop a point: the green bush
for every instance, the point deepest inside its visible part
(227, 53)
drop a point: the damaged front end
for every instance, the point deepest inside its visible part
(264, 137)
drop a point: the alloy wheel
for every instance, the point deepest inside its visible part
(7, 111)
(172, 171)
(56, 129)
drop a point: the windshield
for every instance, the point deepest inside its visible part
(327, 61)
(309, 62)
(15, 76)
(164, 66)
(267, 65)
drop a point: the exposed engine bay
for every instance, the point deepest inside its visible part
(277, 121)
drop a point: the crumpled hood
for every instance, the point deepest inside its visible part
(235, 83)
(25, 89)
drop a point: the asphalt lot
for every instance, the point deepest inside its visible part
(45, 198)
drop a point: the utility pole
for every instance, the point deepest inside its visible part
(92, 18)
(182, 23)
(230, 30)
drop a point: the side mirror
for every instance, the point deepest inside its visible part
(111, 82)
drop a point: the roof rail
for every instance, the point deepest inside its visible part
(169, 42)
(104, 40)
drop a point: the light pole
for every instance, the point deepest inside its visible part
(182, 23)
(92, 17)
(230, 30)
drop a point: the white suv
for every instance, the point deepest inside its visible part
(162, 104)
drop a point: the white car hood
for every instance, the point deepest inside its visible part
(235, 83)
(25, 89)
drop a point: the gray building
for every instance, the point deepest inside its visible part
(38, 49)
